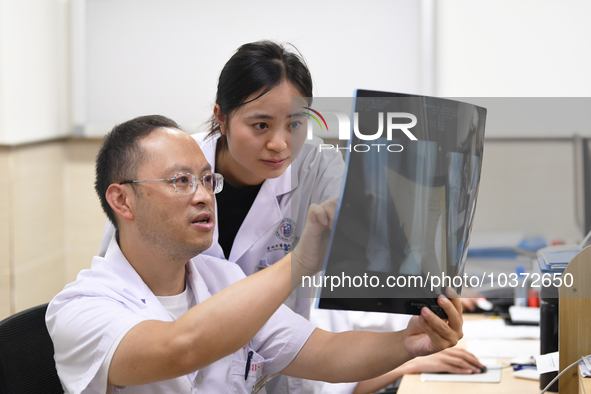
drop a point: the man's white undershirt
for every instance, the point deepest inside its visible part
(175, 305)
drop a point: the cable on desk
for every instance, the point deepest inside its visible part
(560, 374)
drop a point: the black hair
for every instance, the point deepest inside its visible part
(254, 67)
(121, 154)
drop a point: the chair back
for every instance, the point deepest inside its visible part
(26, 354)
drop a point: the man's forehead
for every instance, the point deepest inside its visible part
(174, 150)
(164, 135)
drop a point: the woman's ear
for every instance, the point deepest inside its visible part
(220, 118)
(121, 200)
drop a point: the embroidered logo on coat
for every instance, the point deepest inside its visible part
(286, 230)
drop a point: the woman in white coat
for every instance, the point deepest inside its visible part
(272, 173)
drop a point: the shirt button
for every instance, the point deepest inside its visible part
(199, 378)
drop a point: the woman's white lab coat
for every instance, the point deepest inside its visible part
(274, 223)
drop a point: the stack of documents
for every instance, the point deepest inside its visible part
(557, 260)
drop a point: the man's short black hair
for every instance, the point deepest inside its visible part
(121, 154)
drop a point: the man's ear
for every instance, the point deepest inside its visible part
(220, 118)
(121, 200)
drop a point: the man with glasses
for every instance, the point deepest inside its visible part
(153, 317)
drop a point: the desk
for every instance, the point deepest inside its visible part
(574, 319)
(412, 384)
(584, 384)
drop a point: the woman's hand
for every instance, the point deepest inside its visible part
(451, 360)
(308, 256)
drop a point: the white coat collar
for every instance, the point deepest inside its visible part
(131, 286)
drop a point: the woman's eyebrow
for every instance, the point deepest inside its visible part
(297, 115)
(260, 116)
(270, 117)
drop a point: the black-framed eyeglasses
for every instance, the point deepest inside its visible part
(186, 183)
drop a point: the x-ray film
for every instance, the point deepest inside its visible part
(403, 221)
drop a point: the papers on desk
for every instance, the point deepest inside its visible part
(503, 348)
(492, 375)
(526, 315)
(531, 374)
(585, 367)
(559, 259)
(497, 329)
(551, 261)
(548, 362)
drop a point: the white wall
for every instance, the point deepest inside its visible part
(165, 56)
(34, 72)
(507, 48)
